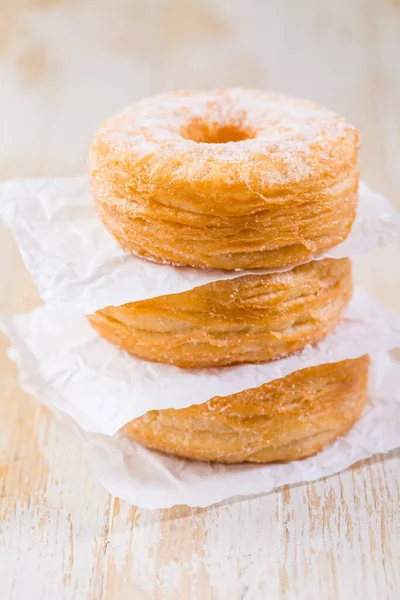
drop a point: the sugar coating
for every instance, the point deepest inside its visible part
(280, 123)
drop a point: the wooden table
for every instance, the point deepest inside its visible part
(65, 66)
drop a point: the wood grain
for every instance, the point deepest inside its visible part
(67, 65)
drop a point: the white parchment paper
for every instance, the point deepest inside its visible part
(103, 388)
(153, 480)
(73, 259)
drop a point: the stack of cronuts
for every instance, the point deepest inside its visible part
(235, 180)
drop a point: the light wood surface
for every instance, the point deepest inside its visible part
(65, 66)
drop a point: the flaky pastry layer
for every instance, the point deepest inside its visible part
(254, 318)
(226, 179)
(287, 419)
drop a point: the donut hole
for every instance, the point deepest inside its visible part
(208, 132)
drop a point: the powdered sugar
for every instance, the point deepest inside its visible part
(279, 123)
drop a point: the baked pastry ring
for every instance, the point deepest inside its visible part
(229, 179)
(254, 318)
(287, 419)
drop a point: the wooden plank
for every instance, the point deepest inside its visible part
(66, 66)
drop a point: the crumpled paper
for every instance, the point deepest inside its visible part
(95, 389)
(103, 388)
(74, 260)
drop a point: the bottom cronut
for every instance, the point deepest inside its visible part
(286, 419)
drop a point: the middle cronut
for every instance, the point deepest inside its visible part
(249, 319)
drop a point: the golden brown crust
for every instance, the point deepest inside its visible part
(172, 188)
(255, 318)
(287, 419)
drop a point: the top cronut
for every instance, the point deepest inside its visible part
(230, 179)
